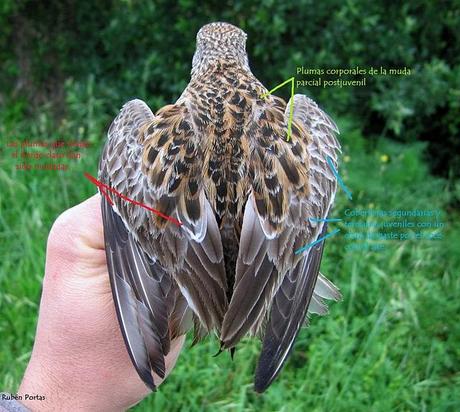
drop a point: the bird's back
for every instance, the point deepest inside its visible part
(223, 99)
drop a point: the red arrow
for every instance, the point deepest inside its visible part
(103, 189)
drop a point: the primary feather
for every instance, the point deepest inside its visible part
(218, 161)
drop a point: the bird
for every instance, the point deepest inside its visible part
(234, 195)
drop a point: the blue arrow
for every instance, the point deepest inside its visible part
(303, 249)
(339, 179)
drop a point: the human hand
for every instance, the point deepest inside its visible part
(79, 360)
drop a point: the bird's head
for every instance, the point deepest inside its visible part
(219, 41)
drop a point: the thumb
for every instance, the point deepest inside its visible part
(76, 241)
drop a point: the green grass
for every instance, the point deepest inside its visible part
(393, 343)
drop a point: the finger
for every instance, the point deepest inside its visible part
(76, 243)
(90, 219)
(83, 221)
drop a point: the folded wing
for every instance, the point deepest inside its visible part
(297, 292)
(153, 160)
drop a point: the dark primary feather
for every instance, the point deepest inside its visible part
(287, 315)
(139, 329)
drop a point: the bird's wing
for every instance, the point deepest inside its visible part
(149, 160)
(291, 182)
(297, 292)
(279, 179)
(140, 299)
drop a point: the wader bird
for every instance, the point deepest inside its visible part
(220, 162)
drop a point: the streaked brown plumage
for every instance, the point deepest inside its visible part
(218, 161)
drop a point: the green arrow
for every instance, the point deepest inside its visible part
(291, 103)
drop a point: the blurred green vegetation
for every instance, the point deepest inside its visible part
(393, 343)
(82, 60)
